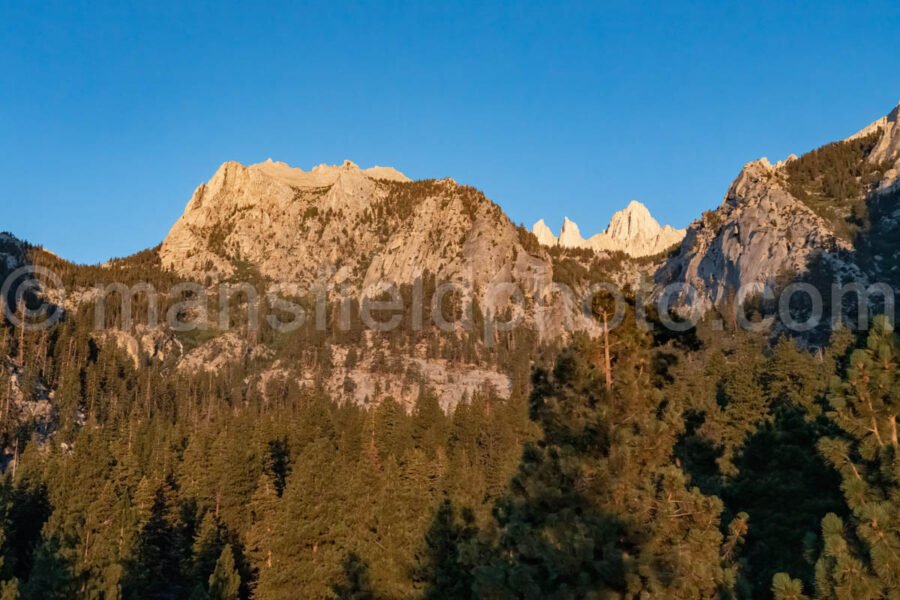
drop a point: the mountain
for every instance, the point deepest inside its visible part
(354, 227)
(831, 212)
(355, 231)
(543, 234)
(632, 230)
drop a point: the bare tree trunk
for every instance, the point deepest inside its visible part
(892, 420)
(21, 311)
(8, 396)
(607, 360)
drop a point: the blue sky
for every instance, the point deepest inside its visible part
(112, 113)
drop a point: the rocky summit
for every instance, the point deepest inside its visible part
(356, 226)
(632, 230)
(357, 229)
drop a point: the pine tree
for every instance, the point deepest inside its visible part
(156, 569)
(428, 422)
(225, 581)
(264, 515)
(598, 506)
(840, 573)
(785, 588)
(51, 575)
(443, 569)
(863, 560)
(207, 548)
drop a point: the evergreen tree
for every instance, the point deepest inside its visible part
(156, 569)
(443, 568)
(785, 588)
(599, 507)
(225, 581)
(51, 575)
(207, 549)
(861, 559)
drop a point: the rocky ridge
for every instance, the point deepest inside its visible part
(358, 230)
(632, 230)
(887, 149)
(759, 232)
(763, 232)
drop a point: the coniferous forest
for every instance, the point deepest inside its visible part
(701, 464)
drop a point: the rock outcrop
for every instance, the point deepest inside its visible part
(763, 232)
(887, 149)
(570, 235)
(143, 343)
(543, 234)
(363, 226)
(353, 228)
(632, 230)
(760, 232)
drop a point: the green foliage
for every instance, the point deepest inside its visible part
(51, 576)
(594, 509)
(529, 241)
(785, 588)
(225, 581)
(863, 561)
(834, 180)
(444, 568)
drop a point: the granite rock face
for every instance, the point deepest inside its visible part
(543, 234)
(762, 232)
(12, 252)
(632, 230)
(363, 226)
(357, 229)
(758, 233)
(887, 149)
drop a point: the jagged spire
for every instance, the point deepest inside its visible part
(632, 230)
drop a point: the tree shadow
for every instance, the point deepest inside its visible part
(354, 583)
(778, 468)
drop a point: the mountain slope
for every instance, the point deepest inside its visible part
(356, 231)
(781, 221)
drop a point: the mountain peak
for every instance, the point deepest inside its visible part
(633, 222)
(323, 174)
(297, 227)
(544, 234)
(570, 235)
(886, 122)
(634, 205)
(887, 148)
(632, 230)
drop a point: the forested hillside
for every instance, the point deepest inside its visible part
(709, 464)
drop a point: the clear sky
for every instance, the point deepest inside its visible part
(111, 113)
